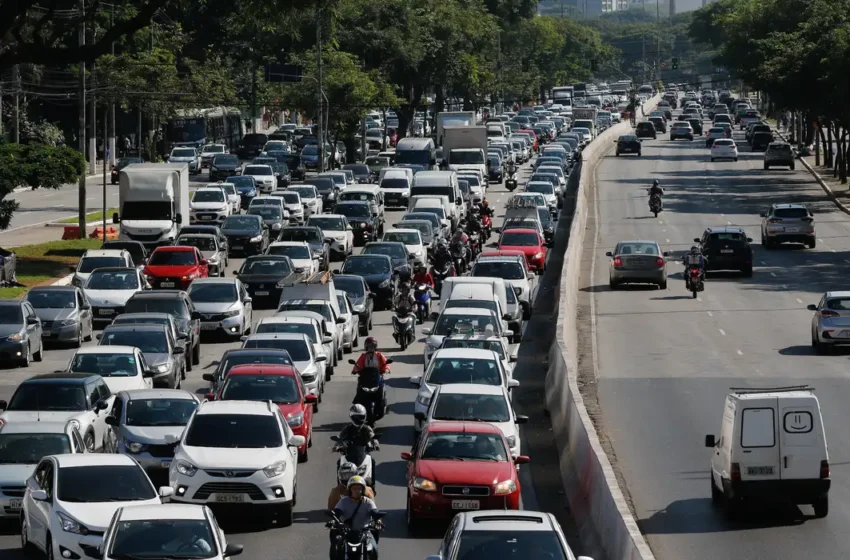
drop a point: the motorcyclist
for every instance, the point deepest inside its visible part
(405, 298)
(694, 259)
(344, 474)
(358, 433)
(422, 276)
(460, 237)
(655, 189)
(355, 510)
(371, 358)
(442, 255)
(484, 208)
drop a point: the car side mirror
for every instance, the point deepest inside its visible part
(710, 441)
(100, 405)
(812, 307)
(507, 333)
(297, 441)
(39, 495)
(406, 455)
(513, 383)
(247, 300)
(166, 491)
(310, 398)
(426, 331)
(419, 416)
(111, 421)
(521, 420)
(148, 373)
(321, 358)
(522, 460)
(696, 239)
(91, 551)
(208, 377)
(233, 549)
(416, 380)
(209, 396)
(749, 240)
(666, 253)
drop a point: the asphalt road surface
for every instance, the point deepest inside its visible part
(666, 361)
(307, 538)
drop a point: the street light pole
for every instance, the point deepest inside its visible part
(319, 77)
(82, 124)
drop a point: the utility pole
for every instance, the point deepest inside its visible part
(82, 122)
(658, 44)
(105, 131)
(93, 135)
(254, 97)
(320, 133)
(17, 104)
(113, 152)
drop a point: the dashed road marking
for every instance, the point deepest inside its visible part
(710, 314)
(722, 332)
(728, 223)
(799, 300)
(667, 241)
(739, 352)
(773, 274)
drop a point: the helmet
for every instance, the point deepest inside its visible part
(371, 344)
(458, 231)
(357, 480)
(346, 471)
(694, 249)
(420, 267)
(655, 183)
(357, 413)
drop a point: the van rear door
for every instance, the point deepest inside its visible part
(802, 446)
(759, 457)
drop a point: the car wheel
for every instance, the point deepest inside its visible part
(88, 441)
(821, 506)
(812, 243)
(196, 353)
(612, 285)
(412, 522)
(662, 285)
(26, 545)
(792, 167)
(48, 545)
(79, 341)
(747, 271)
(25, 361)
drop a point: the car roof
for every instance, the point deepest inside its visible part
(471, 389)
(94, 460)
(117, 348)
(514, 520)
(278, 336)
(400, 230)
(254, 408)
(104, 253)
(144, 315)
(55, 288)
(163, 511)
(79, 378)
(520, 230)
(33, 427)
(730, 229)
(174, 248)
(262, 369)
(212, 280)
(790, 205)
(467, 353)
(152, 394)
(141, 327)
(287, 244)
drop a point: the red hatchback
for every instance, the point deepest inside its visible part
(529, 242)
(460, 466)
(175, 267)
(535, 144)
(280, 384)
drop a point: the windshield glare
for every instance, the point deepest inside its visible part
(457, 370)
(327, 224)
(481, 408)
(159, 412)
(235, 431)
(89, 264)
(361, 266)
(48, 299)
(151, 342)
(28, 449)
(513, 239)
(212, 292)
(276, 267)
(499, 269)
(508, 544)
(280, 389)
(203, 243)
(43, 396)
(294, 252)
(467, 446)
(175, 539)
(298, 350)
(108, 483)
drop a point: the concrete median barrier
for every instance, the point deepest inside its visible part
(606, 526)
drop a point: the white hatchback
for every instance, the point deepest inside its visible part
(724, 148)
(412, 240)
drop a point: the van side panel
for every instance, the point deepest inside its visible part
(757, 447)
(801, 435)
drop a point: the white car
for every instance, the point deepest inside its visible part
(585, 133)
(351, 326)
(326, 330)
(299, 253)
(724, 148)
(249, 441)
(24, 444)
(513, 270)
(208, 153)
(303, 353)
(209, 205)
(224, 305)
(186, 155)
(232, 196)
(263, 175)
(331, 324)
(310, 198)
(123, 368)
(300, 324)
(71, 499)
(554, 169)
(108, 289)
(482, 342)
(93, 259)
(458, 365)
(292, 203)
(456, 402)
(462, 320)
(337, 231)
(165, 531)
(412, 240)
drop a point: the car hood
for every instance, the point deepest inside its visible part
(473, 473)
(241, 233)
(14, 475)
(127, 383)
(109, 297)
(375, 279)
(155, 435)
(303, 264)
(97, 515)
(156, 358)
(6, 330)
(170, 270)
(55, 314)
(294, 208)
(207, 205)
(210, 254)
(269, 178)
(213, 458)
(527, 250)
(272, 221)
(215, 307)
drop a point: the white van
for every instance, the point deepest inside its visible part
(396, 172)
(772, 447)
(364, 193)
(441, 183)
(474, 295)
(497, 286)
(432, 204)
(444, 201)
(395, 183)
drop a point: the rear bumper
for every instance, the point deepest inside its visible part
(781, 237)
(728, 263)
(794, 491)
(625, 276)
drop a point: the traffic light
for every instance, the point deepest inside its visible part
(675, 63)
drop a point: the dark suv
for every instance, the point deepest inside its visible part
(727, 248)
(177, 304)
(646, 129)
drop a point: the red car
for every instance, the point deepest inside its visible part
(459, 466)
(535, 144)
(529, 242)
(174, 267)
(280, 384)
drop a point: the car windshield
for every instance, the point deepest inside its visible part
(288, 328)
(480, 408)
(356, 197)
(493, 345)
(104, 483)
(551, 170)
(520, 239)
(275, 267)
(28, 449)
(394, 183)
(319, 308)
(280, 389)
(326, 223)
(791, 213)
(241, 182)
(354, 287)
(506, 270)
(172, 306)
(186, 152)
(48, 396)
(213, 292)
(241, 222)
(149, 341)
(465, 446)
(235, 431)
(353, 210)
(160, 412)
(425, 230)
(266, 211)
(297, 234)
(542, 188)
(209, 195)
(730, 239)
(637, 249)
(357, 169)
(310, 150)
(507, 544)
(52, 299)
(458, 370)
(173, 258)
(213, 149)
(406, 237)
(363, 266)
(91, 263)
(392, 250)
(119, 364)
(299, 350)
(229, 188)
(226, 159)
(427, 216)
(289, 197)
(256, 170)
(204, 243)
(449, 324)
(294, 252)
(175, 539)
(307, 193)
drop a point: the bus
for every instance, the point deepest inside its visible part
(563, 95)
(196, 127)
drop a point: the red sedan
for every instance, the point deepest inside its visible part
(280, 384)
(535, 144)
(529, 242)
(460, 466)
(175, 267)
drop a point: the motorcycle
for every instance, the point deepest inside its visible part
(404, 328)
(359, 456)
(487, 226)
(371, 393)
(655, 205)
(352, 544)
(422, 295)
(474, 244)
(694, 281)
(439, 275)
(511, 182)
(459, 258)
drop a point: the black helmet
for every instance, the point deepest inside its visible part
(655, 183)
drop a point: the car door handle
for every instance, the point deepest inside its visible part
(785, 461)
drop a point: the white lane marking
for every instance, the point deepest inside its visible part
(660, 222)
(739, 352)
(699, 298)
(833, 250)
(762, 262)
(728, 223)
(667, 241)
(799, 300)
(710, 314)
(721, 215)
(663, 231)
(722, 332)
(819, 239)
(773, 274)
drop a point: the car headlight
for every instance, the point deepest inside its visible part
(74, 424)
(190, 276)
(424, 484)
(256, 239)
(252, 192)
(134, 446)
(186, 469)
(295, 419)
(65, 323)
(511, 441)
(429, 347)
(317, 254)
(424, 400)
(17, 337)
(275, 469)
(384, 284)
(233, 313)
(71, 525)
(163, 368)
(505, 487)
(340, 238)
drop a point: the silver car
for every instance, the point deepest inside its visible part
(637, 262)
(162, 352)
(351, 327)
(224, 305)
(146, 424)
(831, 321)
(66, 315)
(788, 223)
(208, 245)
(188, 156)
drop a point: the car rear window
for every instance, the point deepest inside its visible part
(785, 148)
(791, 213)
(726, 238)
(838, 304)
(724, 143)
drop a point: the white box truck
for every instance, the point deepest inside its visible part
(455, 119)
(153, 202)
(465, 147)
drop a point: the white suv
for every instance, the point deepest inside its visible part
(237, 452)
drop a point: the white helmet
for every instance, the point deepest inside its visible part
(345, 472)
(357, 413)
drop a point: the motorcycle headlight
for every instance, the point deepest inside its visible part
(295, 419)
(275, 469)
(186, 469)
(384, 284)
(163, 368)
(505, 487)
(256, 239)
(424, 484)
(134, 446)
(71, 525)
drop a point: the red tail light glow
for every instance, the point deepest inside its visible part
(824, 469)
(826, 314)
(618, 261)
(735, 475)
(659, 262)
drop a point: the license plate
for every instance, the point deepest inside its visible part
(727, 251)
(167, 284)
(466, 504)
(15, 504)
(759, 471)
(237, 247)
(165, 464)
(229, 498)
(104, 311)
(791, 230)
(206, 217)
(208, 327)
(261, 293)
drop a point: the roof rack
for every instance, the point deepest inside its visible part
(752, 390)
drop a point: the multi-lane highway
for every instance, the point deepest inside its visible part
(307, 538)
(666, 361)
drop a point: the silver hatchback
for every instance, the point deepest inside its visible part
(831, 321)
(637, 262)
(788, 223)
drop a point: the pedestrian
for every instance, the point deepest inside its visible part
(127, 145)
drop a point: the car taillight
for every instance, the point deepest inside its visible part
(824, 469)
(618, 261)
(736, 472)
(774, 221)
(659, 261)
(808, 220)
(827, 314)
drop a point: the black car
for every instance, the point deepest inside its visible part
(362, 299)
(245, 234)
(628, 144)
(211, 230)
(646, 129)
(439, 231)
(547, 223)
(265, 276)
(326, 189)
(362, 175)
(252, 145)
(727, 248)
(121, 164)
(135, 248)
(297, 171)
(696, 124)
(264, 160)
(752, 129)
(760, 141)
(377, 271)
(660, 124)
(393, 249)
(314, 237)
(177, 304)
(246, 186)
(281, 171)
(494, 169)
(272, 217)
(224, 166)
(359, 214)
(245, 356)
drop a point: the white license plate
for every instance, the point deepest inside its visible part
(791, 230)
(759, 471)
(166, 464)
(167, 284)
(466, 504)
(104, 311)
(15, 504)
(727, 251)
(208, 327)
(261, 293)
(206, 217)
(237, 247)
(229, 498)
